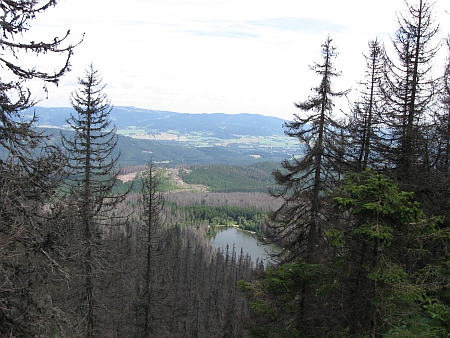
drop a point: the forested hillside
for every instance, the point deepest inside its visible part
(212, 178)
(136, 151)
(103, 235)
(252, 178)
(154, 122)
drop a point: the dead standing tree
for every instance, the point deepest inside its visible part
(151, 239)
(91, 197)
(29, 173)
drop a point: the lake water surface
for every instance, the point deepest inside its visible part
(242, 239)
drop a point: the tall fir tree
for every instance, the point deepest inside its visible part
(364, 121)
(151, 239)
(441, 149)
(91, 197)
(304, 183)
(409, 93)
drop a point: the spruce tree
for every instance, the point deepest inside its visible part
(304, 183)
(91, 196)
(364, 124)
(441, 148)
(382, 240)
(381, 281)
(151, 249)
(409, 93)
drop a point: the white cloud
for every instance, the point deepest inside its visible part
(226, 56)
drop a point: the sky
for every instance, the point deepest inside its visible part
(215, 56)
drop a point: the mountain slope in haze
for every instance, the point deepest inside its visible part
(135, 151)
(217, 125)
(171, 138)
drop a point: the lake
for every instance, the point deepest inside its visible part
(242, 239)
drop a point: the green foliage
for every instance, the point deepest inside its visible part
(387, 272)
(270, 332)
(417, 327)
(371, 196)
(372, 231)
(135, 186)
(166, 184)
(389, 230)
(381, 212)
(279, 296)
(286, 278)
(437, 310)
(336, 236)
(219, 178)
(222, 178)
(244, 218)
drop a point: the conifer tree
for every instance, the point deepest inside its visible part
(304, 183)
(364, 122)
(30, 171)
(382, 240)
(91, 196)
(443, 118)
(151, 240)
(441, 147)
(409, 93)
(300, 223)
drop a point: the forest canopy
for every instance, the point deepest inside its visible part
(362, 215)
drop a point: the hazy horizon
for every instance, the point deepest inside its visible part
(215, 56)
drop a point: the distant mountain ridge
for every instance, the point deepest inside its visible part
(170, 138)
(216, 125)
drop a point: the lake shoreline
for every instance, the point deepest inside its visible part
(233, 236)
